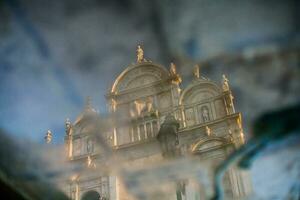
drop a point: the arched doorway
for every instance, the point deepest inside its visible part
(91, 195)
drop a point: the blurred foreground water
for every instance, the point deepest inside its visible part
(32, 171)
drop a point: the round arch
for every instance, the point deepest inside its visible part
(157, 72)
(198, 88)
(91, 195)
(208, 143)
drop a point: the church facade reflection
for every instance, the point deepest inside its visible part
(139, 101)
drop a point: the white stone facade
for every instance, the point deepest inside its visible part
(140, 98)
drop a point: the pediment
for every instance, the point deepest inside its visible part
(139, 76)
(199, 92)
(139, 81)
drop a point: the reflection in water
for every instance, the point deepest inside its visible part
(91, 195)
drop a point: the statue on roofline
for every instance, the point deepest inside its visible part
(196, 71)
(140, 54)
(68, 126)
(225, 84)
(173, 72)
(172, 69)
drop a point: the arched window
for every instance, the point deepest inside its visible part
(91, 195)
(207, 144)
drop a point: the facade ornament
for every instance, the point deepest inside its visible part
(225, 83)
(205, 114)
(149, 104)
(74, 177)
(113, 105)
(230, 135)
(239, 122)
(231, 100)
(133, 110)
(139, 106)
(196, 71)
(90, 163)
(139, 54)
(230, 103)
(90, 146)
(207, 131)
(48, 137)
(173, 71)
(68, 138)
(68, 127)
(176, 79)
(157, 111)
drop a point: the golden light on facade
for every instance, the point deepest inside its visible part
(205, 115)
(139, 54)
(225, 83)
(196, 71)
(207, 131)
(74, 177)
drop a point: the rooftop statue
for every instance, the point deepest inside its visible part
(140, 54)
(173, 72)
(196, 71)
(172, 69)
(68, 126)
(225, 85)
